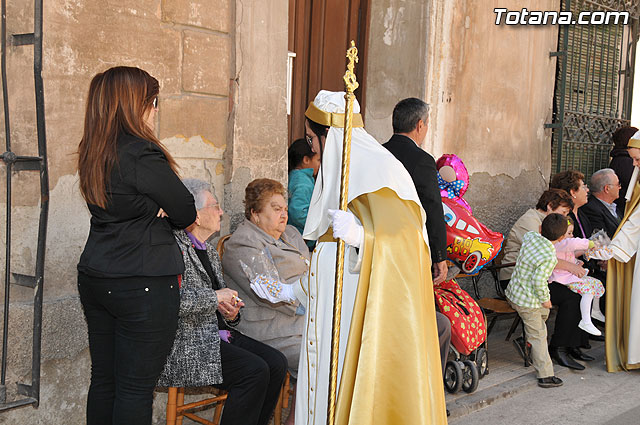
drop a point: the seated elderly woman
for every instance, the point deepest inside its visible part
(265, 232)
(208, 350)
(567, 337)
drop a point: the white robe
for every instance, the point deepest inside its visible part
(315, 356)
(625, 245)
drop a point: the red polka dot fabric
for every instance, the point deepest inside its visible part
(468, 328)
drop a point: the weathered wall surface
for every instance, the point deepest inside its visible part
(397, 60)
(222, 71)
(490, 89)
(259, 132)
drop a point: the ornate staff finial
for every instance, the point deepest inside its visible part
(350, 77)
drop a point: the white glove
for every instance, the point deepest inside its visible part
(272, 290)
(347, 227)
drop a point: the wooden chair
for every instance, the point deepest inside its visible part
(283, 400)
(220, 246)
(177, 410)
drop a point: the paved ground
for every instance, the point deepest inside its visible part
(509, 393)
(592, 396)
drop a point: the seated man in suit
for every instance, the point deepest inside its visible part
(602, 211)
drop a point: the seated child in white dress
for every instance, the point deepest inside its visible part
(589, 288)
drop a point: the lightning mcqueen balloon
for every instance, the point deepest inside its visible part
(470, 244)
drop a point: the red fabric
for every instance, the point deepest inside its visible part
(468, 328)
(179, 281)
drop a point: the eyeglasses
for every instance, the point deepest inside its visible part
(309, 141)
(216, 207)
(618, 185)
(155, 102)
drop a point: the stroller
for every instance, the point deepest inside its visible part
(468, 338)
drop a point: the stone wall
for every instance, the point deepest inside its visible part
(490, 89)
(222, 71)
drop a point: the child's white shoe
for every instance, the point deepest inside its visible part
(588, 327)
(597, 315)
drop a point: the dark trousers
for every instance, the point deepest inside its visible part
(566, 332)
(252, 373)
(444, 337)
(132, 323)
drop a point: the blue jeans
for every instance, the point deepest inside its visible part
(132, 323)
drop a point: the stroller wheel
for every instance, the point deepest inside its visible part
(453, 376)
(470, 378)
(482, 362)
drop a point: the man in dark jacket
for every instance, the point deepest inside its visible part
(601, 209)
(410, 129)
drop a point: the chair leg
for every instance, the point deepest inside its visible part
(493, 322)
(277, 414)
(179, 404)
(514, 325)
(218, 413)
(171, 405)
(285, 391)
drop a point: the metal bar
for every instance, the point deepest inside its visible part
(633, 44)
(578, 57)
(24, 280)
(613, 77)
(563, 86)
(591, 63)
(18, 403)
(572, 86)
(44, 201)
(602, 64)
(7, 128)
(22, 39)
(606, 87)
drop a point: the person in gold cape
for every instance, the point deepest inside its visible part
(389, 368)
(623, 275)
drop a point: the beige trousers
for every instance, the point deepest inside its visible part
(535, 328)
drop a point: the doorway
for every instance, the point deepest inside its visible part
(320, 32)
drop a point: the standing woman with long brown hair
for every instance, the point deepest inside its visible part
(128, 271)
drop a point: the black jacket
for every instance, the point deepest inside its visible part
(422, 169)
(600, 217)
(126, 238)
(584, 222)
(622, 164)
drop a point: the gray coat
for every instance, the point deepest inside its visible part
(261, 319)
(195, 357)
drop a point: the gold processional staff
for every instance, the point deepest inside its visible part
(351, 85)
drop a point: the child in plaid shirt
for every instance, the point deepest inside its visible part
(528, 291)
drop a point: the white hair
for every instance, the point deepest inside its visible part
(600, 179)
(198, 188)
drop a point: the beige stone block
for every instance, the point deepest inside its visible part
(206, 63)
(193, 147)
(87, 37)
(190, 116)
(211, 14)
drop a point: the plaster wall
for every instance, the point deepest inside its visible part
(490, 89)
(222, 71)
